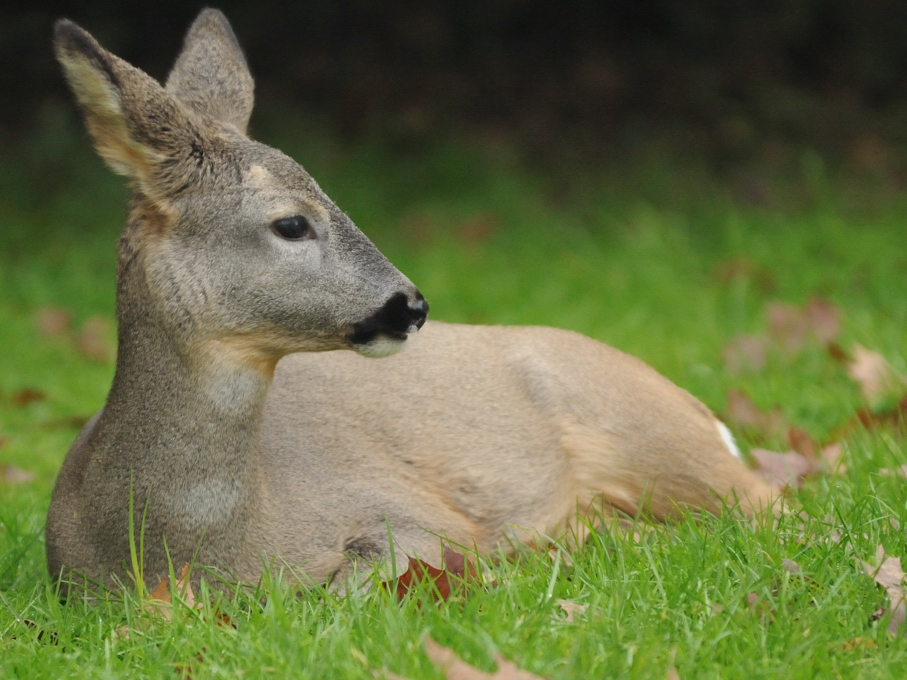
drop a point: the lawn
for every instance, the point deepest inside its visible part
(651, 254)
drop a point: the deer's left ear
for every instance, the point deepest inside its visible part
(210, 75)
(137, 127)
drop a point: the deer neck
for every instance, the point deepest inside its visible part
(181, 426)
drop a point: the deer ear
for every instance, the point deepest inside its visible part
(136, 126)
(210, 75)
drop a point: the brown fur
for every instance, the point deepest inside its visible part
(478, 436)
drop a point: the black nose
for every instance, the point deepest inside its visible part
(418, 311)
(397, 317)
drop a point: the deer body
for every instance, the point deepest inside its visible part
(234, 260)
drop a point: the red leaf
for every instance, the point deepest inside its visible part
(453, 580)
(27, 395)
(801, 442)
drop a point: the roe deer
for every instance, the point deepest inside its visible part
(233, 260)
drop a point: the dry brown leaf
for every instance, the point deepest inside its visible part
(159, 603)
(873, 374)
(792, 326)
(571, 608)
(26, 396)
(838, 353)
(746, 353)
(784, 470)
(53, 322)
(822, 319)
(787, 325)
(50, 635)
(672, 673)
(743, 412)
(890, 576)
(790, 566)
(801, 442)
(92, 341)
(458, 574)
(10, 474)
(556, 552)
(829, 455)
(454, 668)
(895, 417)
(858, 643)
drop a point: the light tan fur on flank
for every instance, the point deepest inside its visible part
(242, 441)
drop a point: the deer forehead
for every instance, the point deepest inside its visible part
(286, 191)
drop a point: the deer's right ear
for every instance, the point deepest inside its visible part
(134, 123)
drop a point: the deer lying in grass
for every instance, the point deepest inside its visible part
(238, 440)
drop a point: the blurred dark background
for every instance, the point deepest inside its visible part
(732, 81)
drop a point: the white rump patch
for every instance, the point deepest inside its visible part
(728, 439)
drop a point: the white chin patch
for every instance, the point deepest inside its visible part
(728, 439)
(380, 347)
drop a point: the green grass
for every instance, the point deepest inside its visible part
(635, 254)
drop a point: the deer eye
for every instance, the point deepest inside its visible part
(295, 228)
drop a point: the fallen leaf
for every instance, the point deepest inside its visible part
(454, 668)
(784, 470)
(743, 412)
(831, 457)
(10, 474)
(890, 576)
(873, 374)
(858, 643)
(454, 579)
(801, 442)
(790, 566)
(556, 552)
(571, 608)
(792, 326)
(838, 353)
(42, 633)
(746, 353)
(822, 319)
(26, 396)
(787, 325)
(53, 321)
(92, 341)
